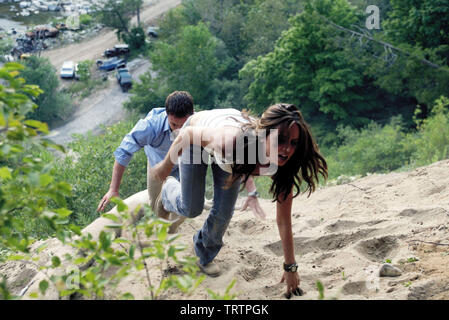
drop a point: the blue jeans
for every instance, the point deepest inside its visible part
(186, 198)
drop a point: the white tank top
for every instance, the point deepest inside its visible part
(218, 118)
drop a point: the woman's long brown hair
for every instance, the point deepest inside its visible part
(305, 164)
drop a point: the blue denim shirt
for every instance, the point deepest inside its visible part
(152, 133)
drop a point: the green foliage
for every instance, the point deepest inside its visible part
(87, 83)
(115, 14)
(227, 295)
(309, 68)
(189, 64)
(31, 189)
(374, 148)
(84, 70)
(6, 45)
(53, 105)
(432, 139)
(135, 38)
(171, 25)
(415, 27)
(377, 148)
(88, 168)
(419, 23)
(148, 93)
(27, 185)
(320, 288)
(265, 23)
(86, 20)
(99, 265)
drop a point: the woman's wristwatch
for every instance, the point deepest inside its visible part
(291, 267)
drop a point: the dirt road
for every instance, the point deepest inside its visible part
(105, 106)
(93, 48)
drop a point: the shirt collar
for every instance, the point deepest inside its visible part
(166, 125)
(167, 130)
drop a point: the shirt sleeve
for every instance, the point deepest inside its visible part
(142, 134)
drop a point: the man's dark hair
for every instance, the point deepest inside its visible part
(179, 104)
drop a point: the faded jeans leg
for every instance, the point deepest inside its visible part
(209, 240)
(186, 198)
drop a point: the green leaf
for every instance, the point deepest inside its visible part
(128, 296)
(111, 216)
(63, 212)
(45, 180)
(16, 257)
(5, 173)
(114, 260)
(43, 286)
(162, 233)
(41, 126)
(75, 229)
(131, 251)
(55, 261)
(121, 206)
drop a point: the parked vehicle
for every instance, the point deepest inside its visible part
(111, 64)
(41, 32)
(124, 79)
(68, 70)
(118, 50)
(153, 32)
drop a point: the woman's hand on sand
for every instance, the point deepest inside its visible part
(257, 210)
(105, 200)
(292, 281)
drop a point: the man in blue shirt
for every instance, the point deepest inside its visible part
(155, 135)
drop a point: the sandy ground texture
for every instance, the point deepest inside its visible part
(93, 48)
(343, 235)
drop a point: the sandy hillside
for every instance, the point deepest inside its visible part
(343, 234)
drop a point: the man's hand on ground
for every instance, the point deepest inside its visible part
(257, 210)
(103, 203)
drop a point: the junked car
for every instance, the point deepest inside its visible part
(111, 64)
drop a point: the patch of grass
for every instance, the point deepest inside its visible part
(83, 89)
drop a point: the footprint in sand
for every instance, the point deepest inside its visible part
(330, 242)
(377, 249)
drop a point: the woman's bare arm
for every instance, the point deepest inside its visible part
(284, 222)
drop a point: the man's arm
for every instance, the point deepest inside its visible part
(114, 187)
(142, 134)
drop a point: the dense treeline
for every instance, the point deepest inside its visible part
(317, 54)
(53, 106)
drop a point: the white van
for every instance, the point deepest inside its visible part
(68, 70)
